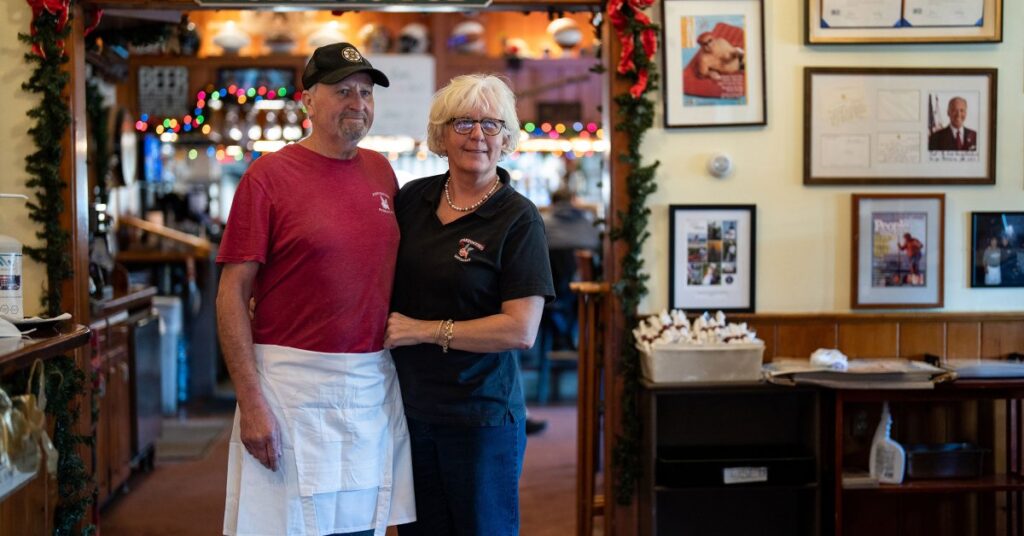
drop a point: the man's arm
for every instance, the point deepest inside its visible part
(259, 430)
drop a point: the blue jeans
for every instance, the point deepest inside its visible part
(466, 479)
(360, 533)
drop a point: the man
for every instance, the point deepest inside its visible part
(568, 229)
(955, 137)
(320, 444)
(913, 248)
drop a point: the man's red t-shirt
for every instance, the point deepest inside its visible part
(325, 233)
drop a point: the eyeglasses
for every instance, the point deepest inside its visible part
(464, 125)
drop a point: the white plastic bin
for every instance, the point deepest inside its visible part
(171, 320)
(677, 362)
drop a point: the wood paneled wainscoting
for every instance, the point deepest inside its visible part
(907, 335)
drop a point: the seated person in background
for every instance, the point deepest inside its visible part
(569, 228)
(717, 56)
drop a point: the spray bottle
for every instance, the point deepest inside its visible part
(11, 300)
(887, 457)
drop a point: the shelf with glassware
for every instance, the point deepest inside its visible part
(258, 111)
(976, 482)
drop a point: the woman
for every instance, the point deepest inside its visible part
(471, 280)
(992, 259)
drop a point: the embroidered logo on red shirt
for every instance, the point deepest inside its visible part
(467, 245)
(385, 202)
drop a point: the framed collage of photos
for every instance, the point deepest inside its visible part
(903, 21)
(897, 251)
(711, 260)
(997, 249)
(899, 126)
(713, 63)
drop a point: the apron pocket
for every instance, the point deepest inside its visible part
(348, 453)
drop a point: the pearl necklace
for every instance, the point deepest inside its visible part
(474, 206)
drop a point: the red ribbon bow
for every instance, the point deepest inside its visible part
(58, 8)
(648, 39)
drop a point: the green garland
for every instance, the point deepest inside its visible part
(64, 382)
(52, 120)
(637, 116)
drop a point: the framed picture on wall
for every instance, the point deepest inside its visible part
(711, 257)
(997, 249)
(903, 21)
(899, 126)
(897, 251)
(713, 63)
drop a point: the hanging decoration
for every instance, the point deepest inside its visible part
(637, 36)
(49, 29)
(48, 33)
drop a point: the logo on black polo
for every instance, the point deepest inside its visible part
(466, 246)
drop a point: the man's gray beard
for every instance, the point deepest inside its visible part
(353, 131)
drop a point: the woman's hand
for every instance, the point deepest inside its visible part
(405, 331)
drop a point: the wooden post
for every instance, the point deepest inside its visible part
(618, 519)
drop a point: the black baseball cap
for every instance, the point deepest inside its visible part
(332, 63)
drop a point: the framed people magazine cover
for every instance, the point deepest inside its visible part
(903, 21)
(899, 126)
(713, 63)
(997, 249)
(897, 251)
(711, 257)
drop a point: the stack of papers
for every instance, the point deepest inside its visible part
(860, 374)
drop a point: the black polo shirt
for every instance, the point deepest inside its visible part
(463, 271)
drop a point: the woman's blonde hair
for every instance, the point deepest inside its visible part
(470, 93)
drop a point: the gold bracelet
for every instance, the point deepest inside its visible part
(437, 332)
(449, 333)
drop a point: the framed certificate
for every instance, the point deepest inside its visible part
(904, 21)
(899, 126)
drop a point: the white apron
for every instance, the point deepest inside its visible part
(345, 465)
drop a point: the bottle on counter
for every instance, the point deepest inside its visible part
(11, 300)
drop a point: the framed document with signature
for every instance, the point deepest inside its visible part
(899, 126)
(904, 21)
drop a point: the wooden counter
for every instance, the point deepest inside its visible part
(44, 343)
(29, 510)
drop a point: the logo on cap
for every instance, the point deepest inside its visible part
(351, 54)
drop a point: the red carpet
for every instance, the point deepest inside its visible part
(187, 498)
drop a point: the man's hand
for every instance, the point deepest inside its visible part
(261, 435)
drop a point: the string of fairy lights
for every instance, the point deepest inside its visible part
(577, 138)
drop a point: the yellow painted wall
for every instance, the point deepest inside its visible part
(803, 250)
(803, 232)
(16, 144)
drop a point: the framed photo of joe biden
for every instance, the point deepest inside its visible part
(867, 125)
